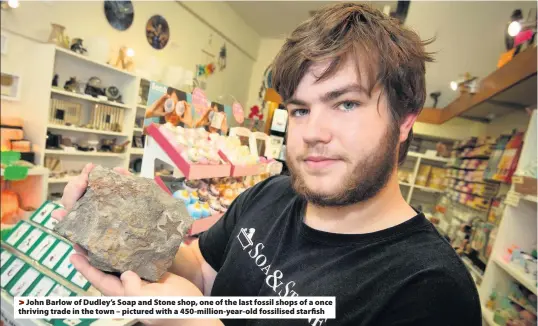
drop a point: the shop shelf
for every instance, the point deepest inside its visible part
(88, 98)
(189, 170)
(428, 157)
(136, 151)
(86, 130)
(517, 274)
(61, 180)
(428, 189)
(244, 170)
(136, 129)
(488, 316)
(70, 53)
(81, 153)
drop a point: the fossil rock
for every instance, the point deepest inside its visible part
(127, 223)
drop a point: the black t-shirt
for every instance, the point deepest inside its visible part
(404, 275)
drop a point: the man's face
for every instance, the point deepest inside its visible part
(341, 143)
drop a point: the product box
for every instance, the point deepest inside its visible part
(30, 240)
(41, 288)
(24, 281)
(5, 256)
(44, 246)
(525, 185)
(17, 233)
(42, 215)
(10, 270)
(54, 256)
(423, 175)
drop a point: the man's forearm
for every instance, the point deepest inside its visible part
(187, 265)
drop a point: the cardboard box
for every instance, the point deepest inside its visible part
(525, 185)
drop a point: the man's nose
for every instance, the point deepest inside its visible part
(317, 129)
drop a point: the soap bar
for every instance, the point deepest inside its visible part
(127, 223)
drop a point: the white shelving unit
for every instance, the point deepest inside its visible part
(51, 126)
(81, 153)
(412, 192)
(68, 64)
(87, 98)
(136, 151)
(518, 227)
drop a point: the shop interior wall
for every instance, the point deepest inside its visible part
(191, 25)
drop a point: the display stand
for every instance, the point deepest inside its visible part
(159, 148)
(518, 227)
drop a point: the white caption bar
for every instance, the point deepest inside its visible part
(175, 307)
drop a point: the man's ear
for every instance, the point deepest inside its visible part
(406, 126)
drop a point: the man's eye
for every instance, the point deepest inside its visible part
(299, 112)
(348, 106)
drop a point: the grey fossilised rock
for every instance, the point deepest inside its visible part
(127, 223)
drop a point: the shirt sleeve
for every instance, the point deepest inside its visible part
(433, 300)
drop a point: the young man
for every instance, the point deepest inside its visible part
(353, 83)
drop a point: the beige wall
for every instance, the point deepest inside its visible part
(504, 125)
(266, 53)
(191, 24)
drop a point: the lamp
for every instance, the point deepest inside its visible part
(467, 83)
(10, 4)
(520, 31)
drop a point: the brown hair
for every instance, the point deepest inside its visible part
(395, 56)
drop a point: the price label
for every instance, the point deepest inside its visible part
(238, 112)
(199, 100)
(512, 199)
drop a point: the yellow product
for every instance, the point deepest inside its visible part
(437, 175)
(423, 175)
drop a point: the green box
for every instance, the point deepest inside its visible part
(11, 272)
(43, 247)
(41, 215)
(27, 279)
(18, 233)
(53, 258)
(79, 280)
(41, 288)
(5, 257)
(30, 240)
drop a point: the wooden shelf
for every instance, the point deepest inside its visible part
(70, 53)
(81, 153)
(86, 130)
(88, 98)
(136, 129)
(513, 86)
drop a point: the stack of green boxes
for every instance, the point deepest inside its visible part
(35, 262)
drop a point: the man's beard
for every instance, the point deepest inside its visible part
(368, 177)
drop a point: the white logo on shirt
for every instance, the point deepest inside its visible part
(273, 280)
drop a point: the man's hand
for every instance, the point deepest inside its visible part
(129, 284)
